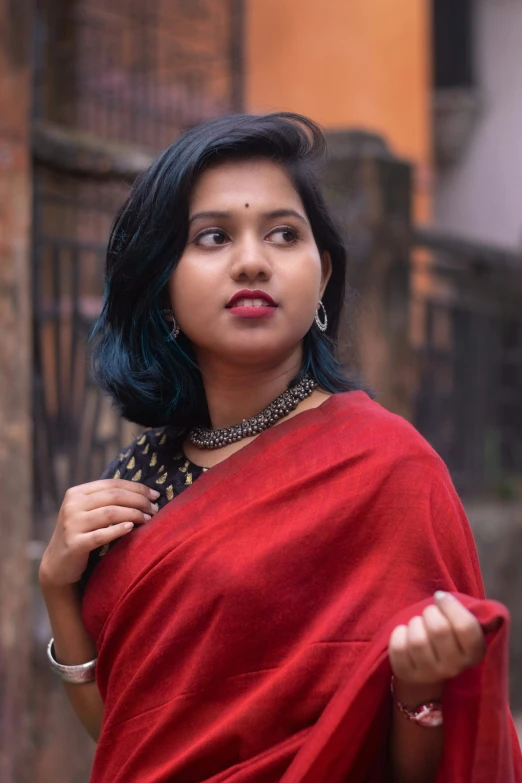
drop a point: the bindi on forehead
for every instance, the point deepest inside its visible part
(247, 205)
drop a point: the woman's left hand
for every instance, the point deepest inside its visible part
(438, 645)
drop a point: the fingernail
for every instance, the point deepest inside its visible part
(147, 516)
(128, 525)
(154, 493)
(440, 594)
(155, 507)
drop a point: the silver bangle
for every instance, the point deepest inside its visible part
(82, 672)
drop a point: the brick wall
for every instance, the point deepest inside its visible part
(15, 409)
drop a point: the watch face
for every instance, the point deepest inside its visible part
(428, 716)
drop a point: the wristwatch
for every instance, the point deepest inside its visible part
(428, 714)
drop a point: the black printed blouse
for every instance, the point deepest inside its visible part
(156, 460)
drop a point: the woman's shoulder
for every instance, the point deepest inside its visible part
(390, 454)
(363, 421)
(144, 455)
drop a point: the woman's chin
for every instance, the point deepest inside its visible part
(250, 352)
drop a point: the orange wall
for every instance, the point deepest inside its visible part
(347, 63)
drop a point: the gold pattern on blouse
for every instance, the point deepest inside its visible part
(162, 479)
(103, 551)
(132, 464)
(153, 459)
(117, 474)
(170, 492)
(184, 467)
(188, 479)
(142, 440)
(146, 449)
(137, 476)
(163, 439)
(205, 470)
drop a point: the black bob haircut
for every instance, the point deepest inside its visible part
(152, 379)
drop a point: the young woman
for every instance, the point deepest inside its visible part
(245, 578)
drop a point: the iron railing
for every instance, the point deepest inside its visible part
(75, 431)
(469, 397)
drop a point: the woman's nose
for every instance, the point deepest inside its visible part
(250, 261)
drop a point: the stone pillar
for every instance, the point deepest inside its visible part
(15, 389)
(370, 191)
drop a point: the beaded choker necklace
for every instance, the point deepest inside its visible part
(286, 402)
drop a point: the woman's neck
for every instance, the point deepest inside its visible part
(234, 395)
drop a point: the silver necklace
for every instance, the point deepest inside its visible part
(288, 401)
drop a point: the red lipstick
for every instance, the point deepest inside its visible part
(252, 303)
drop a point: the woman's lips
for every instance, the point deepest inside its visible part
(249, 303)
(252, 311)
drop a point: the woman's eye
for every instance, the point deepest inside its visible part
(211, 238)
(284, 236)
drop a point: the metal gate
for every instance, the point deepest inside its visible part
(114, 84)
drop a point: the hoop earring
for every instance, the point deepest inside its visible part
(174, 326)
(324, 324)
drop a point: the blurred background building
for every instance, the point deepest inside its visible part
(421, 101)
(478, 115)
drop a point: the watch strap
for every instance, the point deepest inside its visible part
(428, 714)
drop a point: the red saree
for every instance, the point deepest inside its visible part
(242, 634)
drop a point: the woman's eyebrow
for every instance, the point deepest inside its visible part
(209, 214)
(273, 214)
(283, 213)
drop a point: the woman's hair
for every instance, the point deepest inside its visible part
(152, 379)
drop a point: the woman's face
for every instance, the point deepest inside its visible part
(248, 235)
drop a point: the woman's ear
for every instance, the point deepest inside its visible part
(326, 267)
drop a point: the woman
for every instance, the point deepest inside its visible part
(243, 561)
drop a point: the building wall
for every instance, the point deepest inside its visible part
(364, 63)
(481, 196)
(15, 390)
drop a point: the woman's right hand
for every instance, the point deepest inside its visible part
(92, 515)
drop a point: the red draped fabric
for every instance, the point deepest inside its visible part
(242, 634)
